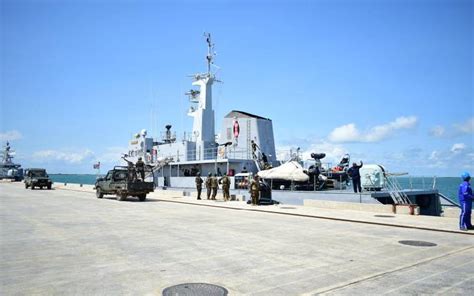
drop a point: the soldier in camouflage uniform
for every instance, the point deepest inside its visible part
(214, 186)
(140, 165)
(225, 181)
(255, 190)
(199, 182)
(208, 185)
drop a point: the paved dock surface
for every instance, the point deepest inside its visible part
(64, 242)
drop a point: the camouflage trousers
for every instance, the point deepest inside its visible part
(254, 195)
(214, 192)
(225, 192)
(199, 189)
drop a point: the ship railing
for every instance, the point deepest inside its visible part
(213, 153)
(422, 183)
(395, 191)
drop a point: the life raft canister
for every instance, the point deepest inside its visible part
(236, 129)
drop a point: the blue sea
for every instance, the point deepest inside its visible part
(446, 185)
(74, 178)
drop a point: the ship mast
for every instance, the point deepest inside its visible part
(210, 53)
(201, 108)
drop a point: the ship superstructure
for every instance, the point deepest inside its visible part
(245, 142)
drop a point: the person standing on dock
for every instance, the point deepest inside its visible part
(255, 190)
(465, 200)
(199, 182)
(355, 175)
(214, 186)
(208, 185)
(225, 181)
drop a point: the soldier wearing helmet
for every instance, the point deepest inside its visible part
(208, 185)
(199, 182)
(140, 165)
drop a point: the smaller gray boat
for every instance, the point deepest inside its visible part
(9, 169)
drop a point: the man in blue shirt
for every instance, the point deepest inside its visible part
(465, 200)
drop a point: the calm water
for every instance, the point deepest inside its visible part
(446, 185)
(72, 178)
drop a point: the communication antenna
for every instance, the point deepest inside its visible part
(210, 52)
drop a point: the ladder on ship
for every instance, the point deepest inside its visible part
(396, 192)
(249, 145)
(157, 167)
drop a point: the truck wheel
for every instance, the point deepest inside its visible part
(121, 196)
(32, 187)
(49, 187)
(98, 193)
(26, 185)
(141, 197)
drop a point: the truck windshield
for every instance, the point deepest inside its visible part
(38, 173)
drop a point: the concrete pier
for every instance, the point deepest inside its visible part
(66, 241)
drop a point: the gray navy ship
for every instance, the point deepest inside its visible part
(245, 146)
(9, 169)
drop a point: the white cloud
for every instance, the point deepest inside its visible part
(456, 129)
(10, 135)
(466, 127)
(345, 133)
(434, 155)
(112, 155)
(458, 147)
(71, 157)
(438, 131)
(350, 133)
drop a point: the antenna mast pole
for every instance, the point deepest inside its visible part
(210, 54)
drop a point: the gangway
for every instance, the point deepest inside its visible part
(396, 192)
(158, 166)
(257, 164)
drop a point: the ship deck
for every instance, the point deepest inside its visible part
(65, 241)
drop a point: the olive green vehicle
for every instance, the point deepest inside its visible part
(123, 182)
(37, 178)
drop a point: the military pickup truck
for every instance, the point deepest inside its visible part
(37, 178)
(123, 182)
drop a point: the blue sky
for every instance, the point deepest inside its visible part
(390, 82)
